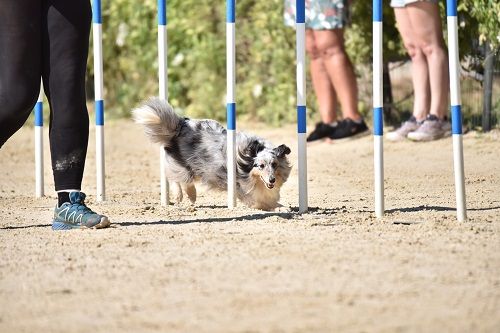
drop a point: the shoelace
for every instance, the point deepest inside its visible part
(81, 208)
(429, 123)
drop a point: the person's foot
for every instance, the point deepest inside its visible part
(349, 128)
(432, 128)
(76, 215)
(401, 133)
(321, 131)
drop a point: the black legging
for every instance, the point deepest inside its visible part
(48, 39)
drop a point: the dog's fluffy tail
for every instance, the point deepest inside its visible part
(159, 120)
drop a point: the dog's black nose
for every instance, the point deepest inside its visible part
(272, 180)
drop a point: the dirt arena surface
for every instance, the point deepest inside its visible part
(335, 269)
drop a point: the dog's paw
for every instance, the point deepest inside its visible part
(191, 209)
(283, 209)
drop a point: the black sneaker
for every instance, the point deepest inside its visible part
(348, 128)
(321, 131)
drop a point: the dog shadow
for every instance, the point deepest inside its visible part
(293, 214)
(250, 217)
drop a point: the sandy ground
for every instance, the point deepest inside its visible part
(336, 268)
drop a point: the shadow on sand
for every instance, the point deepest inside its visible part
(293, 214)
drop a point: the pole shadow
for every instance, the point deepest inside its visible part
(10, 227)
(437, 208)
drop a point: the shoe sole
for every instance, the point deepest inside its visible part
(427, 139)
(396, 137)
(317, 142)
(58, 225)
(352, 137)
(399, 139)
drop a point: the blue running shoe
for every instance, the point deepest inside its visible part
(75, 215)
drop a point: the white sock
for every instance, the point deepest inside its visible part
(68, 191)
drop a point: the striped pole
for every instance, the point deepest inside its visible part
(378, 131)
(163, 88)
(301, 101)
(456, 112)
(231, 102)
(99, 102)
(39, 189)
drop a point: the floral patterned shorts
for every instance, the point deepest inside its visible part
(320, 14)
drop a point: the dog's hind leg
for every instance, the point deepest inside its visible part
(190, 190)
(176, 192)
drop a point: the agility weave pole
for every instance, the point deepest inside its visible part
(163, 89)
(99, 101)
(378, 110)
(300, 31)
(456, 112)
(39, 186)
(231, 101)
(456, 109)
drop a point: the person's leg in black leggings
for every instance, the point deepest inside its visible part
(20, 62)
(50, 38)
(65, 36)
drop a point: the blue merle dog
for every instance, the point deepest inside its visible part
(196, 151)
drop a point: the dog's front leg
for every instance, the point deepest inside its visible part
(190, 190)
(177, 192)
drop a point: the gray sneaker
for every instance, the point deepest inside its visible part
(401, 133)
(76, 215)
(431, 129)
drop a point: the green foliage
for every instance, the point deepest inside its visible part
(129, 52)
(265, 59)
(359, 35)
(482, 16)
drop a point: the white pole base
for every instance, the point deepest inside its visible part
(378, 154)
(458, 166)
(302, 163)
(164, 188)
(39, 188)
(231, 169)
(99, 131)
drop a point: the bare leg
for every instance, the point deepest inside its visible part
(330, 44)
(321, 82)
(426, 23)
(419, 66)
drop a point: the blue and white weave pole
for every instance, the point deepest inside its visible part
(99, 102)
(456, 112)
(163, 89)
(231, 101)
(39, 188)
(378, 125)
(300, 30)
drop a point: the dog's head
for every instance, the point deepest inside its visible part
(270, 165)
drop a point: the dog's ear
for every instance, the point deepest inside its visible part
(282, 150)
(253, 148)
